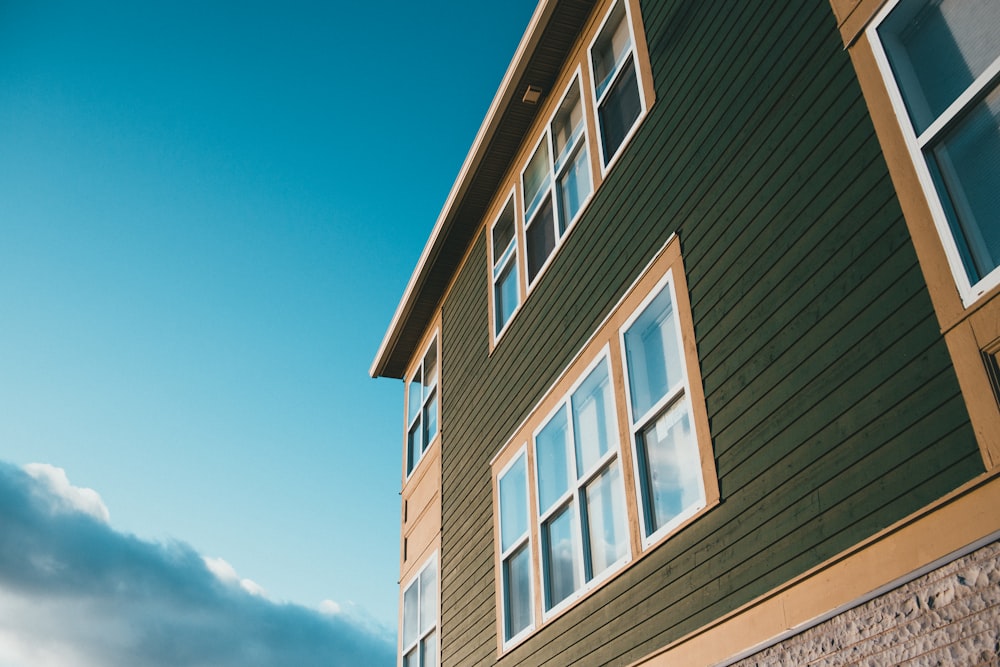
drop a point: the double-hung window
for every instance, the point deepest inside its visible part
(422, 407)
(618, 94)
(515, 548)
(420, 605)
(941, 62)
(506, 291)
(581, 501)
(556, 181)
(668, 461)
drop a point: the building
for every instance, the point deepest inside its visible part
(701, 355)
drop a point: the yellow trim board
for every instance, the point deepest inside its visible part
(884, 561)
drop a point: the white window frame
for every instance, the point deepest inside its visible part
(419, 420)
(572, 496)
(637, 423)
(969, 292)
(597, 100)
(508, 255)
(524, 541)
(550, 191)
(404, 649)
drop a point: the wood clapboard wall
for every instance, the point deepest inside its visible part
(833, 407)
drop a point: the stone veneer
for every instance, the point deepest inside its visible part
(950, 616)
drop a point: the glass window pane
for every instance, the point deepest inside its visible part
(606, 521)
(428, 598)
(428, 651)
(552, 456)
(413, 446)
(412, 659)
(670, 468)
(410, 599)
(561, 563)
(593, 419)
(430, 366)
(619, 110)
(966, 164)
(513, 503)
(414, 398)
(536, 178)
(503, 231)
(573, 186)
(517, 592)
(652, 353)
(610, 48)
(505, 294)
(937, 48)
(567, 126)
(541, 239)
(430, 419)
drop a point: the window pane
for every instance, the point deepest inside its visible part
(573, 187)
(670, 468)
(517, 592)
(619, 110)
(606, 522)
(411, 659)
(593, 419)
(562, 566)
(430, 366)
(567, 126)
(430, 419)
(413, 446)
(505, 294)
(610, 48)
(414, 398)
(541, 239)
(428, 598)
(967, 162)
(536, 178)
(653, 355)
(513, 504)
(937, 48)
(428, 651)
(553, 462)
(503, 231)
(410, 599)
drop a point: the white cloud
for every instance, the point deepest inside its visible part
(330, 607)
(226, 573)
(66, 497)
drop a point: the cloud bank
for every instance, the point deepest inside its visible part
(76, 593)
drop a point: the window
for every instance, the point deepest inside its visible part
(581, 499)
(615, 458)
(422, 407)
(941, 62)
(556, 181)
(506, 294)
(667, 458)
(618, 97)
(515, 548)
(420, 604)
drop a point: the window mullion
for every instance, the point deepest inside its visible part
(963, 102)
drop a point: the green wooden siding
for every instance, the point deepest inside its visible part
(833, 406)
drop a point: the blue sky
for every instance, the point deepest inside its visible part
(208, 213)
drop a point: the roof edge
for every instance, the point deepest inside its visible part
(505, 92)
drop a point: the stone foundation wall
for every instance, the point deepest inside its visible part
(950, 616)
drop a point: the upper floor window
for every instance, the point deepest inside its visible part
(420, 612)
(422, 407)
(515, 548)
(506, 288)
(618, 95)
(941, 61)
(556, 181)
